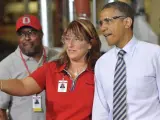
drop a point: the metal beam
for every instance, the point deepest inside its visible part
(45, 12)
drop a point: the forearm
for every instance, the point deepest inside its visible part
(3, 114)
(13, 87)
(27, 86)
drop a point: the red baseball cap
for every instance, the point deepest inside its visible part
(28, 20)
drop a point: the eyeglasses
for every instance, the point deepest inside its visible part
(31, 33)
(109, 20)
(75, 40)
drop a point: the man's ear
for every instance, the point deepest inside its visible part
(90, 46)
(41, 34)
(127, 22)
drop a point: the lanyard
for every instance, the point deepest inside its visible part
(25, 64)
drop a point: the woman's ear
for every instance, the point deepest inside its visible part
(128, 22)
(92, 42)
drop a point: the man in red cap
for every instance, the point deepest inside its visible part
(29, 55)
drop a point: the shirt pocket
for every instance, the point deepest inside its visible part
(18, 101)
(143, 84)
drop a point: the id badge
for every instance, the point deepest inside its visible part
(62, 86)
(37, 104)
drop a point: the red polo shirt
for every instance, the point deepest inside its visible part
(70, 105)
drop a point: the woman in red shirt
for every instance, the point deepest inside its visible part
(68, 81)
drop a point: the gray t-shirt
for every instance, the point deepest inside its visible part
(20, 108)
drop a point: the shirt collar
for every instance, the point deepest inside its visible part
(47, 51)
(17, 51)
(129, 47)
(24, 56)
(63, 67)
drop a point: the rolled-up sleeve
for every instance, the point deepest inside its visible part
(4, 98)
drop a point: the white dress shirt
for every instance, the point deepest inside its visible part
(143, 82)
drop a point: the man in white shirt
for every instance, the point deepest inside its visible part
(29, 55)
(141, 29)
(128, 75)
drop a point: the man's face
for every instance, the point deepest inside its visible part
(30, 41)
(112, 26)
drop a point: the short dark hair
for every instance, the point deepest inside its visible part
(122, 7)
